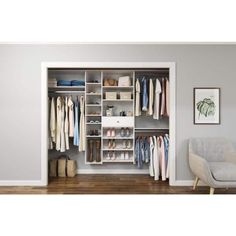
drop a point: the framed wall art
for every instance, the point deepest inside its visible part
(206, 106)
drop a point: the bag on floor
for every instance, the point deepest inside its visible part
(53, 168)
(66, 167)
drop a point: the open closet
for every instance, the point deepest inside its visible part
(111, 113)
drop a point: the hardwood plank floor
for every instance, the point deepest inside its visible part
(109, 184)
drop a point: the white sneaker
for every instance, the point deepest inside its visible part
(126, 156)
(122, 156)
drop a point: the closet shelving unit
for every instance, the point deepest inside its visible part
(95, 104)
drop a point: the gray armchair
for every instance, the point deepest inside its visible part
(213, 161)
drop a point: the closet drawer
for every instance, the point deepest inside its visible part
(118, 121)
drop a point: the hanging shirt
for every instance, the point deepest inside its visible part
(66, 125)
(167, 98)
(71, 117)
(156, 160)
(163, 97)
(151, 163)
(144, 95)
(76, 126)
(50, 144)
(53, 120)
(58, 130)
(151, 94)
(146, 150)
(82, 126)
(162, 158)
(167, 155)
(62, 132)
(156, 114)
(137, 99)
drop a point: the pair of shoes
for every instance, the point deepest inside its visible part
(111, 143)
(110, 156)
(93, 132)
(94, 150)
(124, 132)
(124, 156)
(127, 144)
(94, 121)
(111, 132)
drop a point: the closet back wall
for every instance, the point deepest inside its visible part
(20, 96)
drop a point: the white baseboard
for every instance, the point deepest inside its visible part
(22, 183)
(114, 171)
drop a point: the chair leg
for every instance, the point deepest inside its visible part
(212, 190)
(195, 183)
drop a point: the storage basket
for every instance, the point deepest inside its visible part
(125, 95)
(111, 95)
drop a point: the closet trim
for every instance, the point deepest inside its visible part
(45, 66)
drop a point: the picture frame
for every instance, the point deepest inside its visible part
(206, 106)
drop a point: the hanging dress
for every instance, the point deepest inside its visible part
(151, 94)
(71, 117)
(151, 164)
(82, 126)
(156, 113)
(162, 158)
(137, 99)
(66, 125)
(76, 126)
(53, 120)
(62, 133)
(163, 97)
(156, 158)
(58, 130)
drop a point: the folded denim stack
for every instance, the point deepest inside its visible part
(77, 83)
(63, 83)
(70, 83)
(52, 83)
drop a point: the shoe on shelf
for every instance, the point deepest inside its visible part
(110, 155)
(122, 156)
(126, 155)
(122, 132)
(113, 143)
(108, 133)
(113, 132)
(113, 157)
(109, 143)
(128, 144)
(124, 143)
(127, 132)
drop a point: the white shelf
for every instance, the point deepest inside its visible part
(94, 163)
(93, 136)
(90, 83)
(117, 87)
(111, 161)
(106, 138)
(93, 123)
(93, 115)
(93, 94)
(118, 100)
(66, 87)
(93, 105)
(118, 149)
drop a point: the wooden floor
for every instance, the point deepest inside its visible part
(109, 184)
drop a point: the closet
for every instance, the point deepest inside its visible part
(118, 113)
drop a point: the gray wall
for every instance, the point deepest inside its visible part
(20, 71)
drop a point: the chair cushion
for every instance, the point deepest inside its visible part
(223, 171)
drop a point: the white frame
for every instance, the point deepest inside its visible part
(113, 65)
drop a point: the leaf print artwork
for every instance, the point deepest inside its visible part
(206, 107)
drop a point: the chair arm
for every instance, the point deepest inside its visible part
(231, 157)
(200, 168)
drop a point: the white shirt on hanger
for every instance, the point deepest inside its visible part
(151, 165)
(53, 120)
(150, 102)
(71, 117)
(156, 114)
(63, 147)
(58, 130)
(137, 99)
(156, 160)
(66, 125)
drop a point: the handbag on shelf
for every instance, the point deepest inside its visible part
(110, 82)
